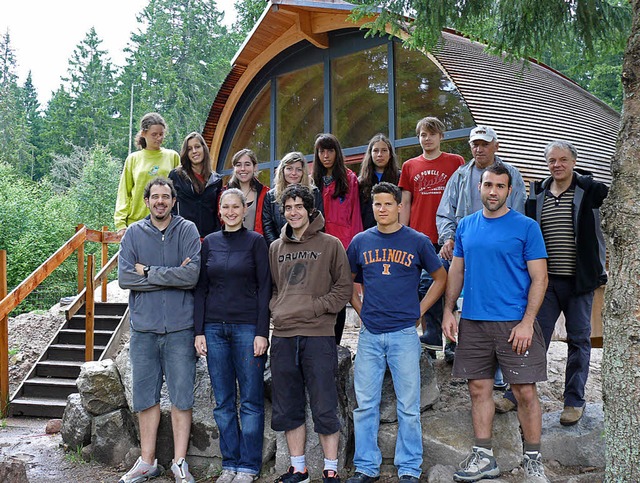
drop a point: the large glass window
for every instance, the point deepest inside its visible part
(422, 89)
(360, 96)
(254, 130)
(300, 109)
(457, 146)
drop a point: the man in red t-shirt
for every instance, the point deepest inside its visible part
(423, 180)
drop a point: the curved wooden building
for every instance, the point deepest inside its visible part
(305, 69)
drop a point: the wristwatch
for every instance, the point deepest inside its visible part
(145, 270)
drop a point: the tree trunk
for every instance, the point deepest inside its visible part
(621, 358)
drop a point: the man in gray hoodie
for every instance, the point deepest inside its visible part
(159, 263)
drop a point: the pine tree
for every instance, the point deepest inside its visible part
(177, 64)
(15, 148)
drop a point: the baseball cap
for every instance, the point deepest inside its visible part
(483, 132)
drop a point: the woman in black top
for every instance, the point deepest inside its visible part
(380, 164)
(197, 186)
(231, 318)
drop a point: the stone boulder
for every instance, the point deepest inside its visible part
(580, 445)
(100, 387)
(447, 437)
(313, 448)
(12, 469)
(76, 423)
(429, 391)
(123, 364)
(112, 437)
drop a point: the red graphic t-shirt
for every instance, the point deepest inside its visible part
(426, 180)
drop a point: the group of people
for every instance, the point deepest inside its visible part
(212, 266)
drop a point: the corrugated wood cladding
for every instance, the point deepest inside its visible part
(530, 106)
(220, 101)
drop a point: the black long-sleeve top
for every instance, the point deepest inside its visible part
(235, 281)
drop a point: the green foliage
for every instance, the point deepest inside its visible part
(249, 11)
(177, 64)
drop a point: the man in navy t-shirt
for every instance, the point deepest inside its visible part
(500, 257)
(390, 257)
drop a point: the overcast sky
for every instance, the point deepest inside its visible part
(44, 33)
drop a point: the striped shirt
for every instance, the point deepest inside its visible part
(556, 223)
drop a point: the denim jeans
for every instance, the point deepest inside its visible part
(433, 317)
(401, 351)
(229, 359)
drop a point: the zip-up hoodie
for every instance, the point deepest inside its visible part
(163, 301)
(311, 281)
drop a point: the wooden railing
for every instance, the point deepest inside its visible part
(85, 292)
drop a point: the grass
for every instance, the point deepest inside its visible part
(75, 457)
(13, 351)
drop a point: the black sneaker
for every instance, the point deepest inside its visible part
(293, 477)
(449, 352)
(330, 476)
(362, 478)
(409, 479)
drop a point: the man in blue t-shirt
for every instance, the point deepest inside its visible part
(390, 257)
(500, 257)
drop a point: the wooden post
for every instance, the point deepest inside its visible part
(89, 310)
(80, 264)
(104, 261)
(4, 340)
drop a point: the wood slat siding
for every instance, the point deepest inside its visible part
(530, 107)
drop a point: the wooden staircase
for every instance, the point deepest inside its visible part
(44, 391)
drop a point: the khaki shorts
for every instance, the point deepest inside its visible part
(482, 345)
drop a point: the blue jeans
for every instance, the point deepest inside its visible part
(401, 351)
(229, 359)
(433, 317)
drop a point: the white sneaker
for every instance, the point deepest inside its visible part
(478, 465)
(141, 471)
(533, 469)
(242, 477)
(181, 472)
(227, 476)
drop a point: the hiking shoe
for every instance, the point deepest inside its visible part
(478, 465)
(330, 476)
(242, 477)
(362, 478)
(571, 415)
(449, 352)
(292, 476)
(409, 479)
(533, 469)
(227, 476)
(141, 471)
(181, 472)
(504, 405)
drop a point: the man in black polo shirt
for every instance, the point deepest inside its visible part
(567, 207)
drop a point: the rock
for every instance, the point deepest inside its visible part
(112, 436)
(123, 363)
(12, 469)
(579, 445)
(440, 474)
(270, 436)
(53, 426)
(447, 437)
(429, 391)
(313, 449)
(86, 453)
(100, 387)
(76, 423)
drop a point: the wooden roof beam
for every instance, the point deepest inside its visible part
(304, 25)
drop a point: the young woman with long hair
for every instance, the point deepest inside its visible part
(291, 170)
(197, 186)
(379, 164)
(340, 196)
(244, 178)
(150, 161)
(231, 318)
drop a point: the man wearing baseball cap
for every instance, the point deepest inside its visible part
(461, 196)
